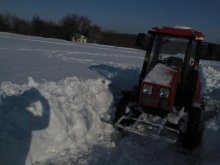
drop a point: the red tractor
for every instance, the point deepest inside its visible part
(166, 105)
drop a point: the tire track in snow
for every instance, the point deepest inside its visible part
(71, 44)
(69, 52)
(69, 56)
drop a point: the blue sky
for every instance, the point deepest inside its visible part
(127, 16)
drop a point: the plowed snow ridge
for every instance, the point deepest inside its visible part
(77, 109)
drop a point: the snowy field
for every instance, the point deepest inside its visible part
(56, 105)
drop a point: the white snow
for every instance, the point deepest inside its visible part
(212, 78)
(160, 74)
(183, 27)
(210, 72)
(75, 122)
(56, 105)
(178, 55)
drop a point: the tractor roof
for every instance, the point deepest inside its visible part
(180, 31)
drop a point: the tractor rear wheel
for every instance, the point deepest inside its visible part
(193, 135)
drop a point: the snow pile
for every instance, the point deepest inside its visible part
(72, 116)
(211, 90)
(210, 83)
(212, 79)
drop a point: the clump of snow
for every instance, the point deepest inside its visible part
(183, 27)
(76, 114)
(212, 125)
(160, 74)
(163, 56)
(212, 79)
(210, 74)
(31, 82)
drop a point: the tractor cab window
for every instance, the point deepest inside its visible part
(169, 51)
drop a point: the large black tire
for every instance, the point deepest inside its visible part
(193, 135)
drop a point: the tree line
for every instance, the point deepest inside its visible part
(210, 51)
(67, 27)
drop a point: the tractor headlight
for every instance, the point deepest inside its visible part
(147, 89)
(164, 92)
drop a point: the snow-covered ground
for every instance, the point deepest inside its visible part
(56, 105)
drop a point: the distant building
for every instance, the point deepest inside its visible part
(73, 39)
(80, 38)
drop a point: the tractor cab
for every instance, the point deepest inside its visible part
(170, 67)
(166, 104)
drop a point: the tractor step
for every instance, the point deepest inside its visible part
(148, 125)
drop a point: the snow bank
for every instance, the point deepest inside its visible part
(210, 73)
(79, 112)
(212, 79)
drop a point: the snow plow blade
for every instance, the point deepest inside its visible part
(146, 125)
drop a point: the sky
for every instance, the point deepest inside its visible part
(127, 16)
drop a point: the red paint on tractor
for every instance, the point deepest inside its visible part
(178, 32)
(154, 100)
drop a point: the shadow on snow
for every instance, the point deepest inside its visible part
(17, 123)
(121, 79)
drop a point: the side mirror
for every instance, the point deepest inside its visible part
(142, 41)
